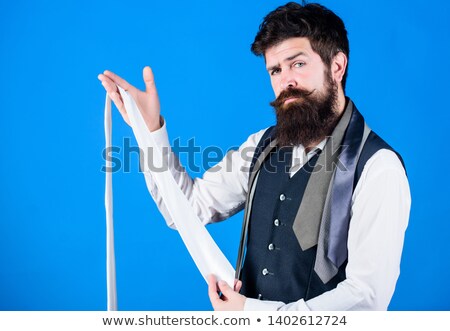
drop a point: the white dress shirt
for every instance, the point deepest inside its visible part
(379, 217)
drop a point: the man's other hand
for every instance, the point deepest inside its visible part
(230, 299)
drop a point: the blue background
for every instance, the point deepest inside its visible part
(52, 217)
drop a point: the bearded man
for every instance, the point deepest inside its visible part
(326, 199)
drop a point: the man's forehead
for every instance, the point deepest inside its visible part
(286, 49)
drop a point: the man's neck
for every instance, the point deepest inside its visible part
(341, 102)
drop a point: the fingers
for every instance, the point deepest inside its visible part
(119, 81)
(148, 102)
(212, 291)
(112, 90)
(237, 285)
(117, 99)
(212, 287)
(149, 80)
(225, 288)
(108, 84)
(114, 94)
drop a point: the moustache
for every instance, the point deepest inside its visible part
(289, 93)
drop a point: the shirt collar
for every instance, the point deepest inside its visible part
(300, 149)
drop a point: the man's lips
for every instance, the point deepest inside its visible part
(289, 100)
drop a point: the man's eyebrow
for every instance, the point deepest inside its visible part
(290, 58)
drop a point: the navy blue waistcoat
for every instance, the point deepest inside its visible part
(275, 267)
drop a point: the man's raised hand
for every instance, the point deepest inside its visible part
(147, 101)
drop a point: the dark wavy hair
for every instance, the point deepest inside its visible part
(324, 29)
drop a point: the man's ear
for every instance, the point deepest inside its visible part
(338, 66)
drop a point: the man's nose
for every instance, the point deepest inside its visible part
(288, 80)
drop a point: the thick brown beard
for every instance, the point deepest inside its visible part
(309, 119)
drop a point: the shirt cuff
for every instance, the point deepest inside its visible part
(160, 136)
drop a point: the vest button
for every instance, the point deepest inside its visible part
(265, 271)
(271, 247)
(282, 197)
(276, 222)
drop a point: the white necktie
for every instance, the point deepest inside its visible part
(204, 251)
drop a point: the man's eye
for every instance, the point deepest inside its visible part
(275, 71)
(299, 64)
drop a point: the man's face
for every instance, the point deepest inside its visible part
(307, 95)
(293, 64)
